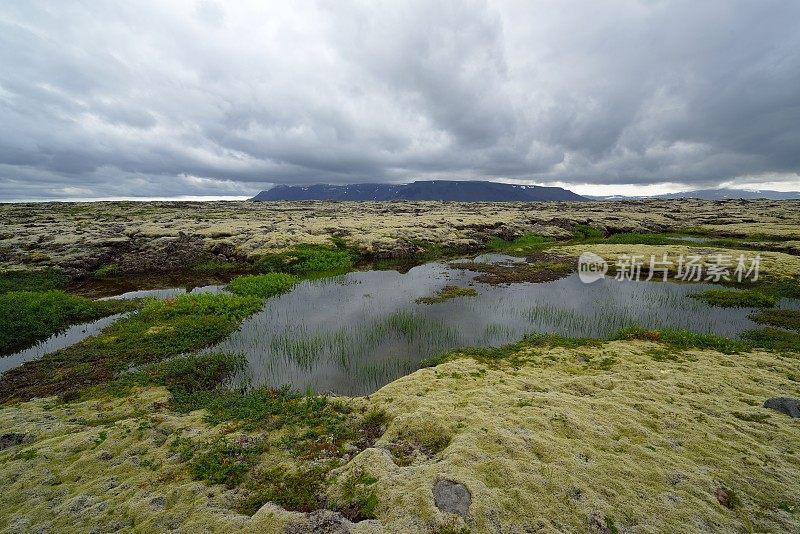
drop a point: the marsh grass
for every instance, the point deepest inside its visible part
(522, 245)
(31, 280)
(447, 293)
(182, 375)
(162, 329)
(736, 298)
(307, 260)
(585, 231)
(29, 316)
(685, 339)
(787, 319)
(262, 286)
(773, 339)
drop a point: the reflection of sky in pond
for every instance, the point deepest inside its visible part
(690, 238)
(164, 293)
(352, 334)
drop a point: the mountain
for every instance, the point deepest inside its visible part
(446, 190)
(722, 194)
(712, 194)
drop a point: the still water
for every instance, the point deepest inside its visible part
(354, 333)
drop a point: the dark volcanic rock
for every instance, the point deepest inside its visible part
(452, 497)
(790, 407)
(319, 521)
(13, 438)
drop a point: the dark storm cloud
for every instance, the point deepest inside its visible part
(221, 98)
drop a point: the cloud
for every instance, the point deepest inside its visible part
(202, 97)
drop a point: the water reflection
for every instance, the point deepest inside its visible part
(354, 333)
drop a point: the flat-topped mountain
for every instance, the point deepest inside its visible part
(445, 190)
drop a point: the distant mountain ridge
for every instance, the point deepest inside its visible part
(722, 194)
(713, 194)
(442, 190)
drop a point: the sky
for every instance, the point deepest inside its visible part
(204, 98)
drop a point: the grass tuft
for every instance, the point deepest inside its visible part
(521, 245)
(31, 280)
(307, 260)
(773, 339)
(263, 285)
(684, 339)
(736, 298)
(29, 316)
(584, 231)
(781, 318)
(447, 293)
(161, 330)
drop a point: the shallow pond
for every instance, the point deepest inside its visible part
(354, 333)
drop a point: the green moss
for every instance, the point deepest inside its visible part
(263, 285)
(736, 298)
(31, 280)
(510, 353)
(781, 318)
(162, 329)
(521, 245)
(298, 490)
(28, 316)
(773, 339)
(221, 461)
(307, 260)
(584, 231)
(447, 293)
(357, 498)
(107, 271)
(684, 339)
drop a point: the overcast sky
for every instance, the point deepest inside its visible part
(187, 98)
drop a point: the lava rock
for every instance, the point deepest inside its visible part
(452, 497)
(320, 521)
(13, 438)
(786, 405)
